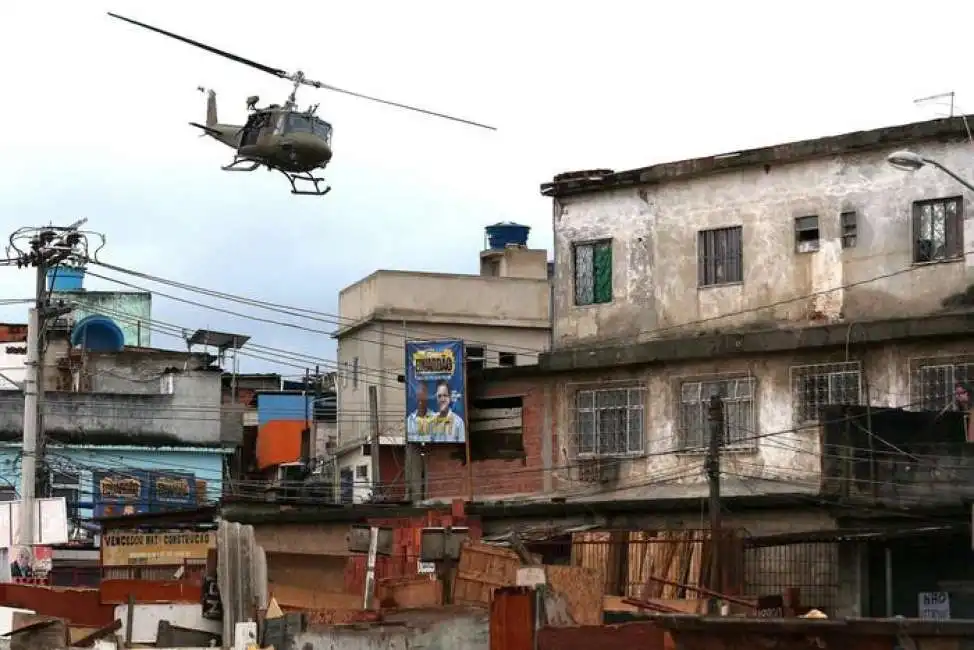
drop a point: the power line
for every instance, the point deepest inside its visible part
(300, 312)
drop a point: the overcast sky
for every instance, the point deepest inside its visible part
(95, 114)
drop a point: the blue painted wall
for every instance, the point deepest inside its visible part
(205, 464)
(272, 407)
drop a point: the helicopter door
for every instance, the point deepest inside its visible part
(251, 130)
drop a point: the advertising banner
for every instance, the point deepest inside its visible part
(130, 487)
(168, 548)
(176, 489)
(435, 390)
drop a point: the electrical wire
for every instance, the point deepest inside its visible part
(310, 314)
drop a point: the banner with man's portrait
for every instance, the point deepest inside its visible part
(435, 390)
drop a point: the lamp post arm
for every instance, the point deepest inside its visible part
(957, 178)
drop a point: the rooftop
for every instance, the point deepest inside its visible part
(582, 182)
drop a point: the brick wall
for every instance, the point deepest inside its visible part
(447, 475)
(392, 473)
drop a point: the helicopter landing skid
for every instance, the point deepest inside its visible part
(241, 165)
(306, 177)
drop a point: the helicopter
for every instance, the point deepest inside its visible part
(280, 137)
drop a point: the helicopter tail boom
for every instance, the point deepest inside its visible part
(225, 133)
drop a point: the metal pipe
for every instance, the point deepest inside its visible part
(889, 581)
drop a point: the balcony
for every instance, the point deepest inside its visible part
(896, 458)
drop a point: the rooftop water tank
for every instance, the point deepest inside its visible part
(98, 333)
(66, 278)
(502, 235)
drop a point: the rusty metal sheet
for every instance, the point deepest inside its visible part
(512, 619)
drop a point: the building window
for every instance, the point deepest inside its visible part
(593, 273)
(933, 382)
(819, 385)
(609, 422)
(507, 359)
(67, 485)
(738, 399)
(938, 230)
(806, 234)
(474, 357)
(850, 229)
(720, 258)
(362, 472)
(355, 373)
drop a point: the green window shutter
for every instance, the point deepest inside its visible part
(603, 272)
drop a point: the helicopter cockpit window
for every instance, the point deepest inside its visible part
(297, 123)
(322, 129)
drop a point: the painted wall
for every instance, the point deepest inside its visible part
(654, 244)
(13, 371)
(205, 464)
(131, 311)
(281, 421)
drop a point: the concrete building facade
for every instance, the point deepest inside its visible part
(782, 279)
(125, 412)
(503, 315)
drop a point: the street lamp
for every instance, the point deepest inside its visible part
(910, 161)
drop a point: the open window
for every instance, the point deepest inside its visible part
(251, 130)
(495, 428)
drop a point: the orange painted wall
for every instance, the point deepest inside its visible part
(279, 441)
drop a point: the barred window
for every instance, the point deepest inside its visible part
(720, 256)
(593, 273)
(738, 399)
(932, 382)
(609, 422)
(818, 385)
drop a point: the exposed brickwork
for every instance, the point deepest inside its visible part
(447, 476)
(392, 463)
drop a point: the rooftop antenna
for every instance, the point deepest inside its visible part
(940, 98)
(947, 98)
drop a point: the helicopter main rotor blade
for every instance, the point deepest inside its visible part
(233, 57)
(318, 84)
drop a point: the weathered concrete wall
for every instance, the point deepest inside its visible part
(654, 231)
(419, 630)
(448, 298)
(189, 415)
(142, 372)
(783, 454)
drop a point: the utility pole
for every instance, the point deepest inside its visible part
(715, 417)
(43, 248)
(374, 448)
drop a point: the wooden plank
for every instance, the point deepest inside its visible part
(505, 424)
(494, 414)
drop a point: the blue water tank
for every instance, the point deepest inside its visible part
(502, 235)
(98, 333)
(65, 278)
